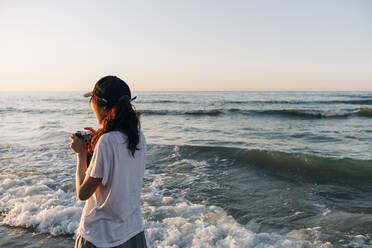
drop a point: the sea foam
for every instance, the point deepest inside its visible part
(38, 207)
(173, 221)
(170, 221)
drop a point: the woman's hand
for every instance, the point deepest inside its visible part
(77, 144)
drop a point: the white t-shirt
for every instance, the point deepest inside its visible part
(112, 215)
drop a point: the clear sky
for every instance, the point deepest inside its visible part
(187, 45)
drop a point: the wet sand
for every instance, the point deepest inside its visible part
(16, 237)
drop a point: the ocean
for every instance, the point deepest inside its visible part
(224, 169)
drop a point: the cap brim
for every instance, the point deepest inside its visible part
(88, 94)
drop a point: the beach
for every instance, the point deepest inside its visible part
(224, 169)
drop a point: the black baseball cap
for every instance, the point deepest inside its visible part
(110, 88)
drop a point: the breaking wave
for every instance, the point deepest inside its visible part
(287, 113)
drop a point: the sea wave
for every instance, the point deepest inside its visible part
(351, 101)
(314, 114)
(367, 112)
(170, 219)
(173, 221)
(288, 113)
(284, 113)
(38, 206)
(162, 101)
(305, 166)
(66, 111)
(354, 101)
(211, 112)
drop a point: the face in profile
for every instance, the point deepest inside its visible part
(99, 112)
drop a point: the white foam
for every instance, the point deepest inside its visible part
(173, 221)
(37, 206)
(194, 225)
(170, 219)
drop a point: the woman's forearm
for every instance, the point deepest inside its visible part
(80, 170)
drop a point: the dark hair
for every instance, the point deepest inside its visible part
(122, 115)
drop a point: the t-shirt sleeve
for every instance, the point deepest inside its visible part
(100, 164)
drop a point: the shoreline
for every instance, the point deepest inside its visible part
(26, 238)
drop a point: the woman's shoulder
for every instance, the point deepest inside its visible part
(118, 136)
(113, 136)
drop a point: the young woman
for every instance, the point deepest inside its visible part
(111, 183)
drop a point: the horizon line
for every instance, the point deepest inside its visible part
(8, 91)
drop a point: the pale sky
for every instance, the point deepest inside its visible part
(186, 45)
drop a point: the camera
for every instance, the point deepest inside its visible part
(86, 136)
